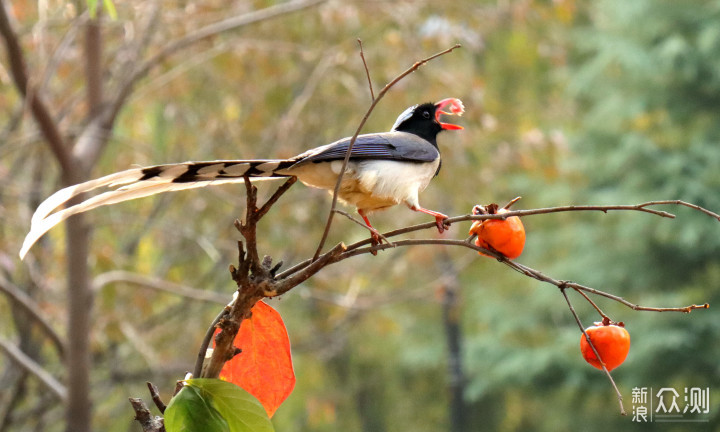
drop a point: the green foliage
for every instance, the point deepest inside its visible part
(189, 411)
(213, 405)
(108, 5)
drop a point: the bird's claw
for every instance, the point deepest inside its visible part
(441, 221)
(374, 241)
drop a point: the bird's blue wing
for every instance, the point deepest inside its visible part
(399, 146)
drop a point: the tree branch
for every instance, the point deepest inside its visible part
(367, 71)
(362, 247)
(255, 280)
(155, 394)
(203, 33)
(597, 354)
(157, 284)
(41, 113)
(28, 304)
(32, 367)
(197, 371)
(148, 422)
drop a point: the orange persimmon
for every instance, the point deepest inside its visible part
(611, 341)
(506, 236)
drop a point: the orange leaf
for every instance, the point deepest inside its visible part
(264, 367)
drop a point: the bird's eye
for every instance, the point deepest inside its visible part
(426, 114)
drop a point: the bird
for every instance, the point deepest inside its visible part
(384, 169)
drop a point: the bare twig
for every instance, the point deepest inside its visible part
(597, 354)
(202, 353)
(206, 32)
(31, 366)
(683, 203)
(374, 103)
(684, 309)
(367, 71)
(521, 213)
(332, 256)
(41, 113)
(28, 304)
(592, 303)
(286, 125)
(155, 394)
(371, 229)
(148, 422)
(157, 284)
(357, 249)
(273, 199)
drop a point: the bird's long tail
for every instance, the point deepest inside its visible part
(141, 182)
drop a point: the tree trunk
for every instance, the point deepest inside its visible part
(453, 335)
(80, 301)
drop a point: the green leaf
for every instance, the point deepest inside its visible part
(190, 410)
(110, 8)
(92, 8)
(107, 4)
(214, 405)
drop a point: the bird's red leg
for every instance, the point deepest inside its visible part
(439, 217)
(373, 232)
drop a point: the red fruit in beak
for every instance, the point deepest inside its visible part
(456, 108)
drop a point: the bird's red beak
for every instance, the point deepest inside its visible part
(456, 108)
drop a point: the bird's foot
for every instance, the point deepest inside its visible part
(440, 219)
(375, 240)
(441, 222)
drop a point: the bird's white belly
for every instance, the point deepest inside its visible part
(371, 184)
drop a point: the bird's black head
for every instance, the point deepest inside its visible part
(424, 120)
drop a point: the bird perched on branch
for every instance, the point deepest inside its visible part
(384, 169)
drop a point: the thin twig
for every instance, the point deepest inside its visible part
(20, 298)
(41, 112)
(597, 354)
(155, 395)
(358, 249)
(374, 103)
(367, 71)
(210, 30)
(371, 229)
(597, 308)
(148, 422)
(522, 213)
(157, 284)
(273, 199)
(684, 309)
(202, 352)
(315, 266)
(32, 367)
(686, 204)
(604, 209)
(247, 229)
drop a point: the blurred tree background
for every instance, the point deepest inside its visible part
(605, 102)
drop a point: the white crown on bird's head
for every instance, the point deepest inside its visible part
(403, 116)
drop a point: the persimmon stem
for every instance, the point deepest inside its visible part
(512, 201)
